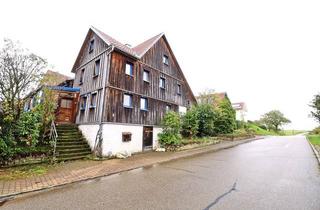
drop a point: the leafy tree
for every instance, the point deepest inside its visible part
(206, 118)
(170, 135)
(315, 104)
(274, 119)
(226, 117)
(20, 70)
(190, 123)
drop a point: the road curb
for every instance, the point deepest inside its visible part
(202, 150)
(315, 151)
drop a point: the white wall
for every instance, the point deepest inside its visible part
(112, 137)
(90, 133)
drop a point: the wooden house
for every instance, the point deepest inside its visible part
(65, 95)
(126, 91)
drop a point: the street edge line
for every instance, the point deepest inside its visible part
(10, 197)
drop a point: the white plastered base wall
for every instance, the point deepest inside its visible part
(112, 137)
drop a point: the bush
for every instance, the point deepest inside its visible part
(206, 117)
(170, 135)
(316, 131)
(29, 127)
(226, 118)
(190, 123)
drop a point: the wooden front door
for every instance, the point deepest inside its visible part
(147, 137)
(65, 112)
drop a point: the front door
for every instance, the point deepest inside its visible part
(65, 111)
(147, 137)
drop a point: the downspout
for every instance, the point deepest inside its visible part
(99, 137)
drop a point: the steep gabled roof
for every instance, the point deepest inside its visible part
(111, 41)
(142, 48)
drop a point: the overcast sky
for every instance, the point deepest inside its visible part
(264, 53)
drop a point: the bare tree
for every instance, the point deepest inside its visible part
(20, 71)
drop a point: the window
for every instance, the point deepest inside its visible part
(146, 76)
(144, 104)
(66, 103)
(127, 100)
(165, 60)
(83, 103)
(93, 101)
(91, 46)
(168, 107)
(129, 69)
(96, 68)
(126, 136)
(162, 83)
(81, 76)
(179, 89)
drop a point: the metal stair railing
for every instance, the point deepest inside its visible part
(53, 137)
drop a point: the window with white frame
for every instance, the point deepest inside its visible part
(162, 83)
(129, 69)
(127, 100)
(93, 100)
(165, 60)
(144, 104)
(96, 68)
(146, 76)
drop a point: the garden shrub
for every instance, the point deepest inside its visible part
(170, 135)
(206, 117)
(29, 127)
(190, 123)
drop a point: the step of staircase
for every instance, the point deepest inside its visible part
(71, 145)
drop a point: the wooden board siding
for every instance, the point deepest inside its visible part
(116, 112)
(135, 83)
(91, 83)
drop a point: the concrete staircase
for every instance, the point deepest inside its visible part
(71, 145)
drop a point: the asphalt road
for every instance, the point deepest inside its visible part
(274, 173)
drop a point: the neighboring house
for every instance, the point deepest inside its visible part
(212, 98)
(241, 111)
(125, 92)
(66, 97)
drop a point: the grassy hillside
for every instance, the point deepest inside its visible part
(314, 139)
(259, 131)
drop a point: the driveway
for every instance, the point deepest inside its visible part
(273, 173)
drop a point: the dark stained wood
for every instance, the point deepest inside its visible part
(119, 83)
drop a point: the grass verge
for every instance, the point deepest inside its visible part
(21, 172)
(314, 139)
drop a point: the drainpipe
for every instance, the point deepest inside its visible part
(99, 137)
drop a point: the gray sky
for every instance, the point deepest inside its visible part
(265, 53)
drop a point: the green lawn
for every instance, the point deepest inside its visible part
(314, 139)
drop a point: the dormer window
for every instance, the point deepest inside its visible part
(91, 46)
(129, 69)
(165, 60)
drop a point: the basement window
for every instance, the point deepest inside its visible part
(126, 136)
